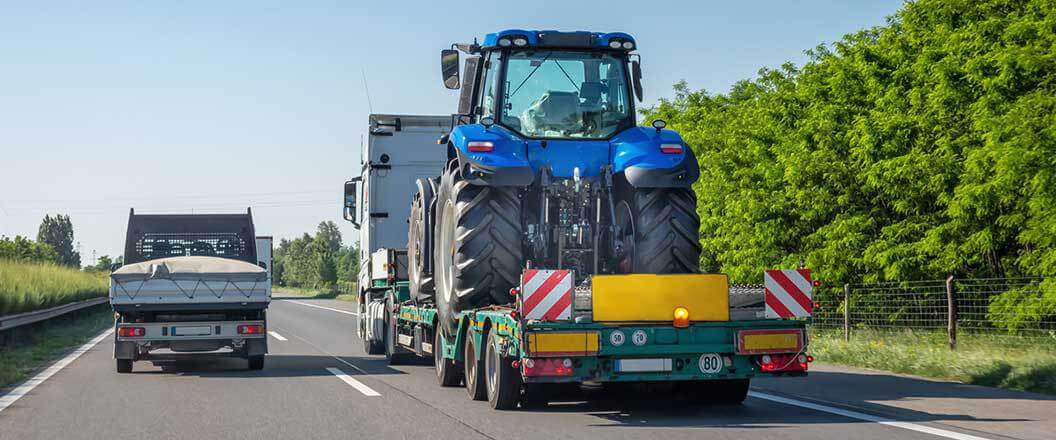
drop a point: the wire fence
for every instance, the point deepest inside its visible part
(1005, 307)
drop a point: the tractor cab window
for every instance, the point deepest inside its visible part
(565, 94)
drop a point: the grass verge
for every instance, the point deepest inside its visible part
(31, 349)
(1018, 363)
(322, 293)
(26, 287)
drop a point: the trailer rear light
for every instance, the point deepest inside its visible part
(250, 329)
(681, 317)
(671, 148)
(131, 332)
(778, 363)
(547, 367)
(480, 147)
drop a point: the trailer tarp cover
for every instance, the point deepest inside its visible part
(191, 268)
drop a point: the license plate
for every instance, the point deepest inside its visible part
(200, 330)
(642, 365)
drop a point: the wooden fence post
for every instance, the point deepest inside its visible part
(951, 314)
(847, 312)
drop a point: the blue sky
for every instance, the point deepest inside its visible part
(211, 106)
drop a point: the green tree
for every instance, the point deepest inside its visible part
(57, 232)
(23, 249)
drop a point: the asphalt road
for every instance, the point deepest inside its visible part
(299, 396)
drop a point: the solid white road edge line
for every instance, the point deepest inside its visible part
(322, 307)
(277, 336)
(353, 382)
(29, 385)
(865, 417)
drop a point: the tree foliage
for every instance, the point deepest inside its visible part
(917, 149)
(315, 261)
(23, 249)
(57, 232)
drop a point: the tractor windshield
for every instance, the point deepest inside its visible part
(565, 94)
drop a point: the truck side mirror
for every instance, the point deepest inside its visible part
(449, 68)
(350, 201)
(636, 74)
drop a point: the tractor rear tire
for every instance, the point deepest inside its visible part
(419, 275)
(666, 230)
(478, 247)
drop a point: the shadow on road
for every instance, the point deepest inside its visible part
(277, 365)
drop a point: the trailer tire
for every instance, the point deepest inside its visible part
(502, 379)
(475, 385)
(418, 243)
(660, 231)
(733, 391)
(448, 372)
(393, 352)
(477, 252)
(256, 362)
(124, 365)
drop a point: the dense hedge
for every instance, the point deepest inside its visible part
(913, 150)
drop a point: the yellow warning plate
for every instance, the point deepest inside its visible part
(543, 344)
(648, 297)
(769, 341)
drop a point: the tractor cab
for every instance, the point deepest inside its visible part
(548, 84)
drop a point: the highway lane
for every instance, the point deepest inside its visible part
(298, 395)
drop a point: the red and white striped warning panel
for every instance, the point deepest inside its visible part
(546, 294)
(788, 293)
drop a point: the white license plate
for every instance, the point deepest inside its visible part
(642, 365)
(199, 330)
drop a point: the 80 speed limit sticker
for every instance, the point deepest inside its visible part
(710, 363)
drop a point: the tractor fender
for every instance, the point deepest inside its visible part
(505, 165)
(636, 153)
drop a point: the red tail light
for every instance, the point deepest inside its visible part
(547, 367)
(671, 148)
(250, 329)
(480, 147)
(778, 363)
(131, 332)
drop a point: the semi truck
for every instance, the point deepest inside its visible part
(192, 284)
(558, 241)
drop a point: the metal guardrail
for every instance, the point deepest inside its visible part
(11, 321)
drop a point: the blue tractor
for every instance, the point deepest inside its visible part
(547, 168)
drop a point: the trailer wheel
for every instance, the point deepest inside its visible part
(124, 365)
(732, 391)
(660, 231)
(503, 380)
(474, 370)
(477, 251)
(256, 362)
(448, 372)
(536, 395)
(392, 350)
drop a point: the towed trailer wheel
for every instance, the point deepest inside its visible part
(371, 347)
(504, 381)
(256, 362)
(124, 365)
(448, 372)
(474, 371)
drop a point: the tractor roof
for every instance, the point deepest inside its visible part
(558, 39)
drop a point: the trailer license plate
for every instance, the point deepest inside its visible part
(200, 330)
(643, 365)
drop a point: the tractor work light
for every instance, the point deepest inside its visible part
(628, 45)
(615, 44)
(480, 147)
(520, 41)
(505, 42)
